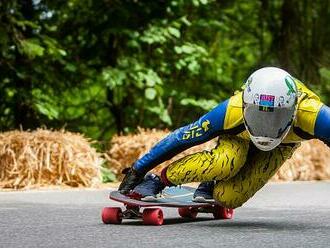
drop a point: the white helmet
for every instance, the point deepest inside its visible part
(269, 106)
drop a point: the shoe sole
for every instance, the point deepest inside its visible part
(198, 199)
(150, 198)
(201, 199)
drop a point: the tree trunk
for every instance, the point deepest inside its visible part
(24, 114)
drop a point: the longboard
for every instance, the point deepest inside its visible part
(175, 197)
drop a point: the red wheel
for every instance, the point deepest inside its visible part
(153, 216)
(112, 215)
(223, 213)
(188, 212)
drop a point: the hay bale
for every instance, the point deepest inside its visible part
(126, 149)
(43, 157)
(311, 161)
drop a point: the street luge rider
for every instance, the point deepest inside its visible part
(258, 129)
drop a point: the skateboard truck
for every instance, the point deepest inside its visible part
(132, 212)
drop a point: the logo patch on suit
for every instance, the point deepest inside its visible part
(196, 130)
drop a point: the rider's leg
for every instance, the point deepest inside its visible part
(259, 168)
(222, 162)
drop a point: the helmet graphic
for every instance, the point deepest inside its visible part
(269, 106)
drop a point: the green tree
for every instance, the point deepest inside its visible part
(103, 67)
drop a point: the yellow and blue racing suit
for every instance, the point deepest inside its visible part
(238, 167)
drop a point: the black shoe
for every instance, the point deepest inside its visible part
(204, 192)
(150, 188)
(131, 179)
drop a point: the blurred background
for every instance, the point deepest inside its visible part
(107, 67)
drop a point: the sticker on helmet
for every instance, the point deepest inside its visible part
(266, 103)
(266, 109)
(281, 101)
(289, 83)
(248, 84)
(256, 99)
(267, 100)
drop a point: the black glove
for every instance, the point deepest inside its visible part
(131, 179)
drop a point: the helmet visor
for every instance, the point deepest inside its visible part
(267, 122)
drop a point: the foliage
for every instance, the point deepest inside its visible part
(107, 175)
(103, 67)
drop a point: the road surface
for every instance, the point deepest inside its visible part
(280, 215)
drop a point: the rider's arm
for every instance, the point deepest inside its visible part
(205, 128)
(322, 125)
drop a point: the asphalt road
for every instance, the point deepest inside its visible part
(280, 215)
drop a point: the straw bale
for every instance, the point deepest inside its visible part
(311, 161)
(126, 149)
(44, 157)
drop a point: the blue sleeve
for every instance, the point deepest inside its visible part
(205, 128)
(322, 125)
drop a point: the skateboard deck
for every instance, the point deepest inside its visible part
(175, 197)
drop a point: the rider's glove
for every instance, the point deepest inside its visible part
(131, 179)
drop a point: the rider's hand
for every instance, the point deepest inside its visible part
(131, 179)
